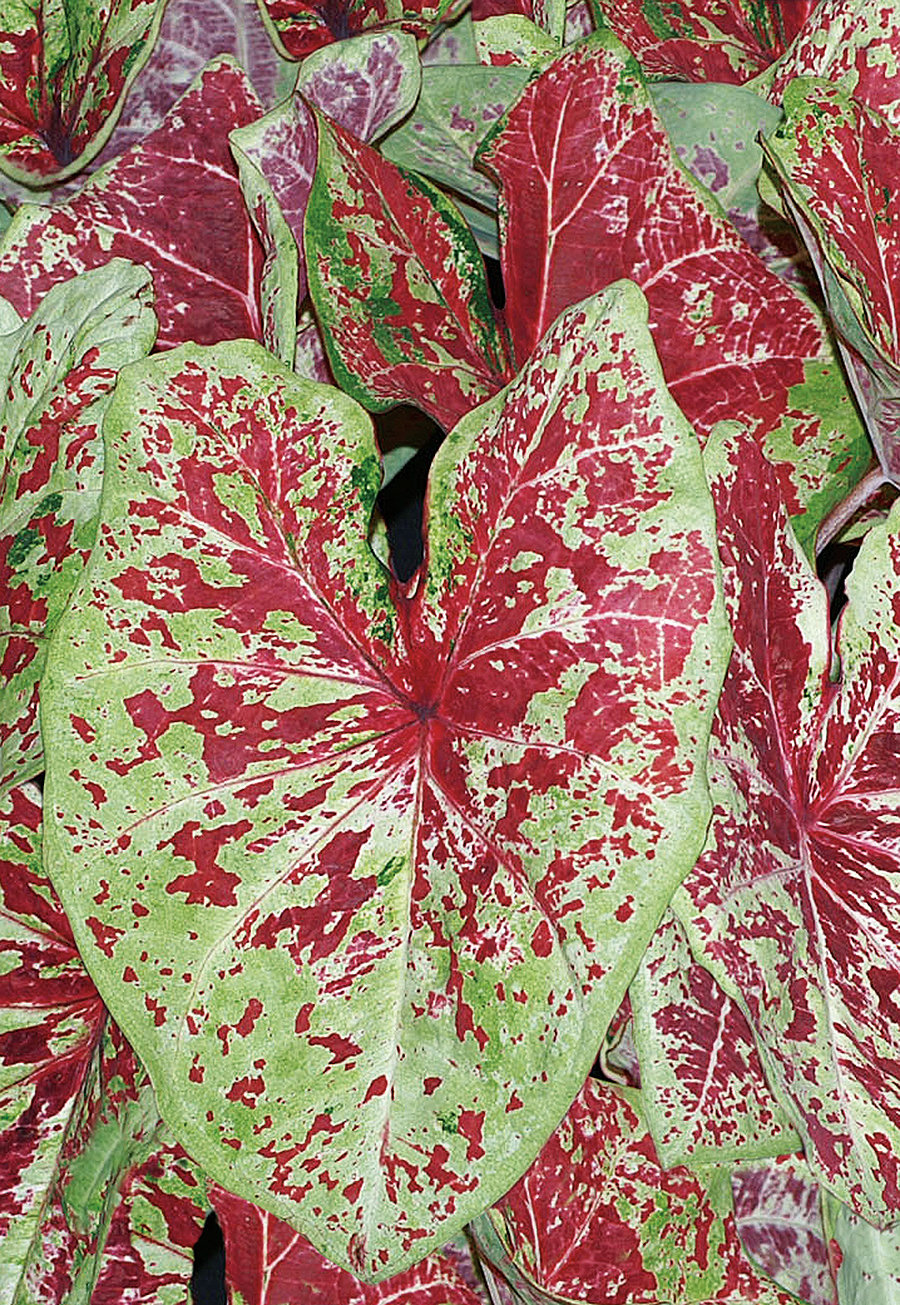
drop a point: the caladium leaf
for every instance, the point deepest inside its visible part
(299, 27)
(837, 162)
(64, 69)
(50, 1020)
(778, 1208)
(268, 1262)
(597, 1219)
(418, 821)
(549, 15)
(455, 111)
(512, 40)
(866, 1259)
(794, 906)
(398, 286)
(363, 83)
(854, 44)
(76, 1108)
(705, 1093)
(714, 130)
(368, 84)
(579, 21)
(452, 43)
(192, 34)
(707, 40)
(205, 274)
(734, 340)
(60, 368)
(148, 1256)
(111, 1130)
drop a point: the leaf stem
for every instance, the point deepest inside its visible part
(842, 512)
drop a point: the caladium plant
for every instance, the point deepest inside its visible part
(518, 926)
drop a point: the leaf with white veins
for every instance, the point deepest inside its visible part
(419, 822)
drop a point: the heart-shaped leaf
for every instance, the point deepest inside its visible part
(267, 1262)
(363, 872)
(597, 1219)
(705, 1093)
(795, 904)
(398, 286)
(64, 69)
(706, 40)
(590, 191)
(837, 162)
(205, 274)
(60, 368)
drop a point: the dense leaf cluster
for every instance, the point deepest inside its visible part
(523, 925)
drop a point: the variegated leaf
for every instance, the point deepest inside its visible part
(778, 1208)
(111, 1129)
(548, 15)
(714, 130)
(153, 206)
(76, 1108)
(451, 43)
(706, 40)
(795, 906)
(590, 191)
(597, 1219)
(300, 27)
(457, 108)
(705, 1093)
(854, 44)
(64, 68)
(148, 1256)
(398, 286)
(61, 366)
(192, 33)
(368, 84)
(50, 1021)
(837, 162)
(267, 1262)
(364, 83)
(417, 824)
(512, 40)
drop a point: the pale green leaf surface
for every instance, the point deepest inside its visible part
(391, 845)
(61, 367)
(457, 107)
(868, 1258)
(513, 39)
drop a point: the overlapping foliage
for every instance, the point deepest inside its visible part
(523, 925)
